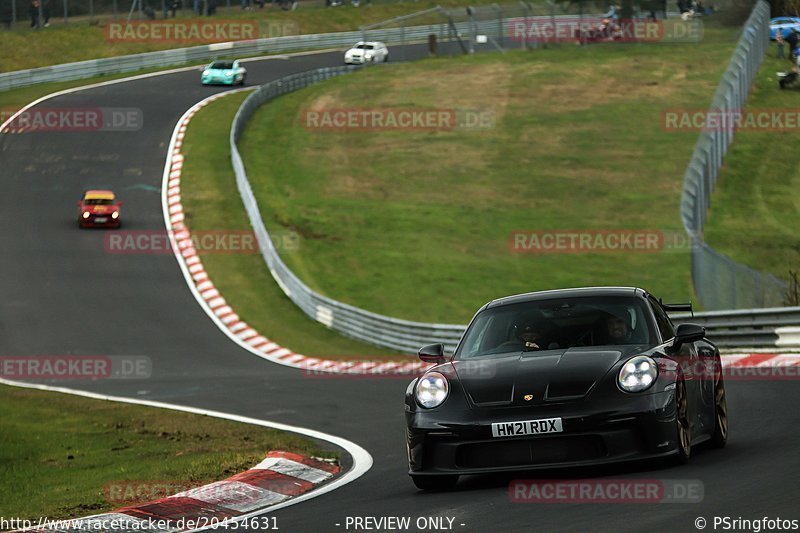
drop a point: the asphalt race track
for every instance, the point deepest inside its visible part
(63, 294)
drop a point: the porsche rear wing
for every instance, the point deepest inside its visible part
(673, 308)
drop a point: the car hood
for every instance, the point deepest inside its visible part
(218, 72)
(548, 376)
(100, 209)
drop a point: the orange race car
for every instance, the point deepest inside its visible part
(99, 209)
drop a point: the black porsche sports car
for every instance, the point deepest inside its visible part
(561, 378)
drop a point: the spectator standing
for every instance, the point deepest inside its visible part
(792, 40)
(46, 12)
(779, 41)
(34, 14)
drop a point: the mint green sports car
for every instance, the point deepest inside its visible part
(224, 73)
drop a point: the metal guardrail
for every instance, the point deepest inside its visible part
(748, 328)
(271, 45)
(752, 328)
(719, 281)
(179, 56)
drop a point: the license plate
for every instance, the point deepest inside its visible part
(100, 220)
(527, 427)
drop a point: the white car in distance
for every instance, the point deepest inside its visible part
(367, 52)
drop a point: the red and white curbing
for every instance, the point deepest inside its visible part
(281, 476)
(215, 304)
(760, 360)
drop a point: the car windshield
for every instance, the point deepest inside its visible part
(557, 324)
(98, 201)
(222, 65)
(365, 46)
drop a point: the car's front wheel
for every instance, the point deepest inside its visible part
(435, 483)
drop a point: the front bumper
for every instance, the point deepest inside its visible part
(644, 428)
(357, 60)
(218, 80)
(100, 221)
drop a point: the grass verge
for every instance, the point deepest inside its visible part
(211, 202)
(64, 456)
(755, 211)
(416, 224)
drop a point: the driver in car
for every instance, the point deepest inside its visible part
(617, 330)
(534, 337)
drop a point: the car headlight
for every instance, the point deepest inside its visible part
(86, 214)
(115, 215)
(432, 390)
(638, 374)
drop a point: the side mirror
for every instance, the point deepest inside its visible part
(686, 333)
(432, 353)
